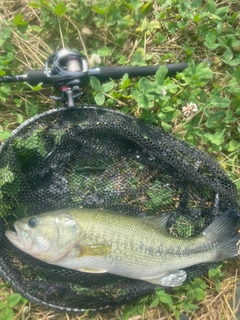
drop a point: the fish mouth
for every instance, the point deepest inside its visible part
(14, 237)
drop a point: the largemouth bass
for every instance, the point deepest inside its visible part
(97, 241)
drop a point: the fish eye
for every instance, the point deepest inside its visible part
(32, 222)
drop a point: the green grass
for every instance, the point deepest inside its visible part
(200, 105)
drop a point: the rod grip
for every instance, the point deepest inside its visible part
(36, 76)
(106, 73)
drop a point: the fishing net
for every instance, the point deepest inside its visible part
(94, 157)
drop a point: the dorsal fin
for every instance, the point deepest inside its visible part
(158, 222)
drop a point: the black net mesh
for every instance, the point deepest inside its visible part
(94, 157)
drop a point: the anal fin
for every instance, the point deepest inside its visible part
(92, 270)
(173, 279)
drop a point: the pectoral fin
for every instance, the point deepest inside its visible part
(94, 250)
(91, 270)
(173, 279)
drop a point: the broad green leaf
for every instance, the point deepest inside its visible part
(6, 33)
(167, 127)
(220, 102)
(230, 115)
(203, 73)
(227, 55)
(2, 305)
(155, 302)
(18, 20)
(210, 41)
(13, 299)
(99, 98)
(135, 93)
(160, 37)
(34, 5)
(9, 47)
(172, 87)
(146, 7)
(101, 8)
(211, 6)
(143, 102)
(191, 66)
(165, 3)
(218, 285)
(234, 62)
(168, 109)
(198, 282)
(114, 13)
(125, 81)
(196, 4)
(5, 89)
(189, 51)
(36, 29)
(161, 74)
(222, 11)
(233, 145)
(210, 38)
(236, 44)
(37, 88)
(138, 57)
(126, 22)
(104, 51)
(95, 83)
(217, 138)
(108, 86)
(166, 116)
(190, 306)
(220, 26)
(60, 9)
(10, 56)
(6, 314)
(164, 297)
(197, 18)
(19, 118)
(144, 85)
(237, 74)
(134, 4)
(199, 293)
(4, 135)
(4, 92)
(153, 25)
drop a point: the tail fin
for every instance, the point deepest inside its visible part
(224, 231)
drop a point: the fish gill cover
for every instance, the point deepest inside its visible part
(98, 158)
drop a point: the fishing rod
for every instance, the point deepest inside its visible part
(68, 70)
